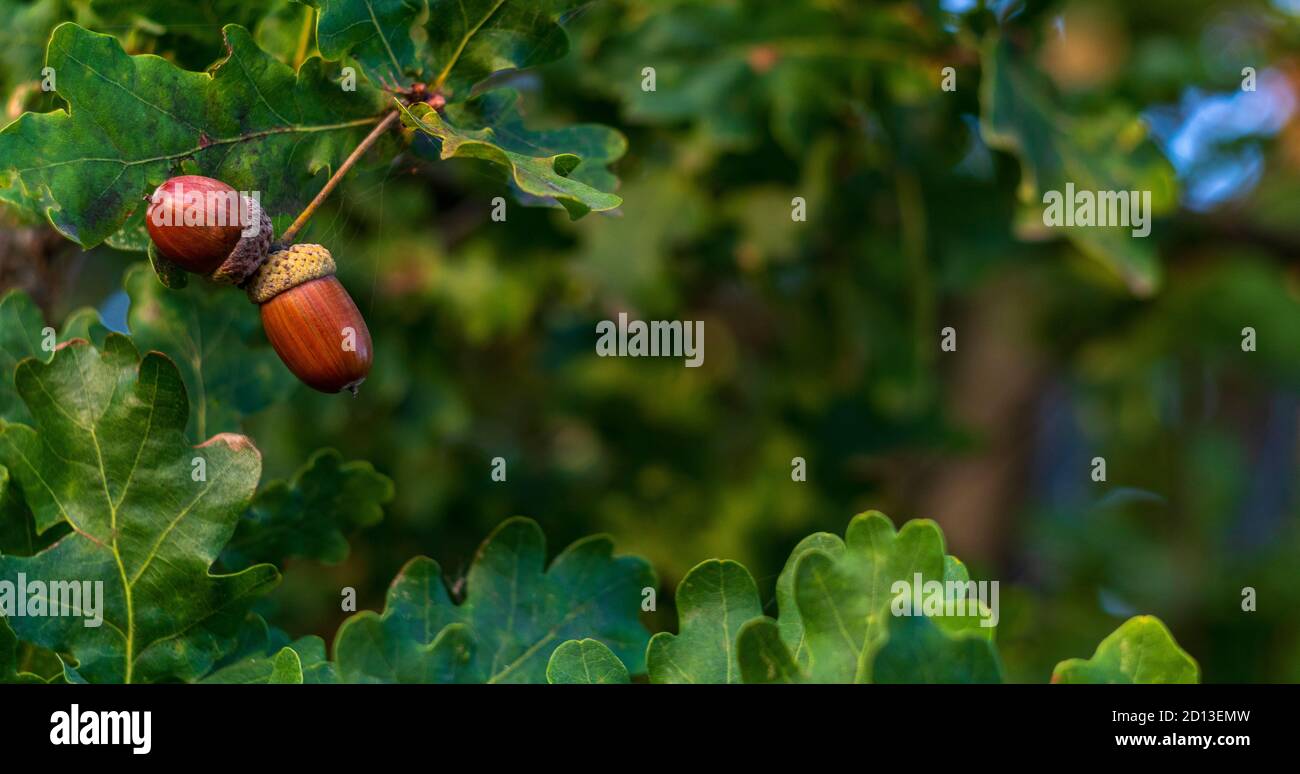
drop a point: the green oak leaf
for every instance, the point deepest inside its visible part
(215, 338)
(449, 45)
(301, 662)
(516, 612)
(713, 601)
(585, 662)
(843, 598)
(1141, 650)
(311, 515)
(546, 177)
(108, 456)
(595, 145)
(131, 121)
(835, 598)
(919, 650)
(1095, 153)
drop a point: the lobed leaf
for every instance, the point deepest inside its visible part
(108, 456)
(516, 612)
(596, 146)
(548, 177)
(843, 597)
(1141, 650)
(311, 515)
(836, 621)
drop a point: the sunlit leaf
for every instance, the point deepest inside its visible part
(1141, 650)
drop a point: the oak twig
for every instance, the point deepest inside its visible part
(333, 182)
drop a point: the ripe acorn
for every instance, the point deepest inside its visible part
(310, 319)
(198, 222)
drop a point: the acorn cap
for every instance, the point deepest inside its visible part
(287, 269)
(248, 253)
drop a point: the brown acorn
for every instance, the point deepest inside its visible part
(310, 319)
(195, 222)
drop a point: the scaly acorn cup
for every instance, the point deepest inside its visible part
(312, 322)
(198, 222)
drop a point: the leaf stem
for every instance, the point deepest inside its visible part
(333, 182)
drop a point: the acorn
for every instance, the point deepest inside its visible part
(311, 321)
(197, 222)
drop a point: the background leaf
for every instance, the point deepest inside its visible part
(311, 515)
(1097, 153)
